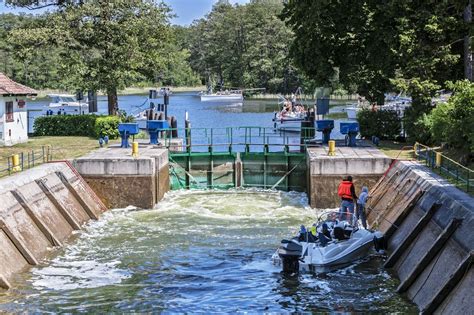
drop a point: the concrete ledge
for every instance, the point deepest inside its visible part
(365, 164)
(347, 161)
(121, 180)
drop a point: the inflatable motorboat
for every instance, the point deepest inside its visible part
(330, 244)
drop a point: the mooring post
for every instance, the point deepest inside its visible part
(188, 168)
(187, 132)
(237, 171)
(166, 98)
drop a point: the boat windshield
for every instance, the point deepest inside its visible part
(328, 216)
(63, 99)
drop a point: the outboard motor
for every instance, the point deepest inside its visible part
(290, 253)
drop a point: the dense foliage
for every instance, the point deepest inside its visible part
(453, 122)
(244, 46)
(384, 124)
(107, 46)
(107, 126)
(97, 45)
(77, 125)
(375, 46)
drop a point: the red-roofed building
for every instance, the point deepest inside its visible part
(13, 114)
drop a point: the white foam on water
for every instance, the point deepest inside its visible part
(68, 275)
(314, 283)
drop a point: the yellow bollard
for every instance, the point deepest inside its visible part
(16, 163)
(135, 149)
(438, 159)
(415, 148)
(332, 147)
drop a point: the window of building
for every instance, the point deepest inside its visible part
(9, 111)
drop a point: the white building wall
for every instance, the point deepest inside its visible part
(2, 118)
(16, 131)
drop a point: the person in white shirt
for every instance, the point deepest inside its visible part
(361, 202)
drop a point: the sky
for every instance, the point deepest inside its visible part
(186, 10)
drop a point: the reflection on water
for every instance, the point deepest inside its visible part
(198, 251)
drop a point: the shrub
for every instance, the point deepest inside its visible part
(453, 122)
(107, 126)
(77, 125)
(384, 124)
(65, 125)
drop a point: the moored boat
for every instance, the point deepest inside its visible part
(66, 104)
(291, 112)
(227, 95)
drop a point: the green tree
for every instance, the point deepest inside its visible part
(345, 39)
(244, 46)
(377, 46)
(453, 122)
(104, 45)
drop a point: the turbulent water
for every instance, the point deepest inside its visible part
(198, 251)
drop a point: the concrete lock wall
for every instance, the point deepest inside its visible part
(121, 180)
(428, 223)
(40, 209)
(365, 164)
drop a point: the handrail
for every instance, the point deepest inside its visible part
(26, 160)
(247, 136)
(462, 175)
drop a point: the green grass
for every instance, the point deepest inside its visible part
(61, 147)
(395, 149)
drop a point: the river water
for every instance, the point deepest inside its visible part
(257, 113)
(203, 251)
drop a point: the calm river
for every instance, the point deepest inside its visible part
(257, 113)
(197, 251)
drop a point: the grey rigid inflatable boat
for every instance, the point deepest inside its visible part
(331, 244)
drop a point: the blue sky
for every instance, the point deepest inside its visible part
(187, 10)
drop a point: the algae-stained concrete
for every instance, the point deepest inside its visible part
(429, 252)
(40, 209)
(365, 164)
(122, 180)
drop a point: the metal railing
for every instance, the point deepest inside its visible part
(25, 160)
(238, 139)
(454, 172)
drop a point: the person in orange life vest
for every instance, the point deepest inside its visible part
(347, 193)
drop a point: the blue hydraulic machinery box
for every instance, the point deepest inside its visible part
(350, 129)
(154, 128)
(126, 130)
(325, 126)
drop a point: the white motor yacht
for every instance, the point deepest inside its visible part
(227, 95)
(332, 244)
(66, 104)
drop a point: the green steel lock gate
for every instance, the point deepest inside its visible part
(223, 158)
